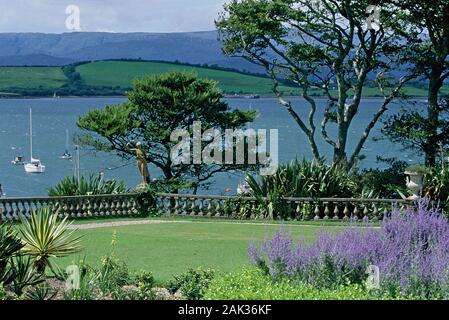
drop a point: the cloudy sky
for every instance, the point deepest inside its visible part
(109, 15)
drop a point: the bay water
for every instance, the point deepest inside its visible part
(51, 118)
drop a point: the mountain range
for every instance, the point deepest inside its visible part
(41, 49)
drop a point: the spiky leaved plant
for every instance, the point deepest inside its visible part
(10, 246)
(45, 237)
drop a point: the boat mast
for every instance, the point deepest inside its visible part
(31, 136)
(67, 140)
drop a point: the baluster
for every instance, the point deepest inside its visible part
(218, 209)
(185, 206)
(161, 205)
(210, 208)
(200, 208)
(169, 207)
(355, 214)
(336, 211)
(298, 210)
(375, 213)
(192, 207)
(317, 212)
(365, 213)
(177, 206)
(346, 212)
(327, 211)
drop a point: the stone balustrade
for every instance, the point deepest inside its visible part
(78, 207)
(293, 208)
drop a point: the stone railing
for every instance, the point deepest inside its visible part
(78, 207)
(294, 208)
(11, 209)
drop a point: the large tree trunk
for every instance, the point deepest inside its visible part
(340, 157)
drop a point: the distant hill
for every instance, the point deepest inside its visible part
(39, 49)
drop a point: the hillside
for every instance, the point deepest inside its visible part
(121, 73)
(37, 49)
(115, 77)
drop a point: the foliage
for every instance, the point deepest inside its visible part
(112, 273)
(3, 295)
(427, 55)
(45, 237)
(308, 179)
(192, 284)
(411, 251)
(147, 197)
(10, 245)
(436, 186)
(385, 183)
(25, 275)
(254, 284)
(156, 107)
(94, 185)
(40, 292)
(321, 44)
(416, 168)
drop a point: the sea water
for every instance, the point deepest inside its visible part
(51, 118)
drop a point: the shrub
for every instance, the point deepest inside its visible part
(94, 185)
(192, 283)
(254, 284)
(436, 185)
(10, 246)
(300, 179)
(385, 183)
(411, 250)
(3, 295)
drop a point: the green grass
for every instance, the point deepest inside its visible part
(171, 248)
(122, 73)
(31, 78)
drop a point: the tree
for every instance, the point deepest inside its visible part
(324, 47)
(428, 54)
(156, 107)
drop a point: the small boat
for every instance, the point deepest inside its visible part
(19, 161)
(35, 165)
(66, 155)
(243, 189)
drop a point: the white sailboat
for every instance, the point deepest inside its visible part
(67, 155)
(35, 165)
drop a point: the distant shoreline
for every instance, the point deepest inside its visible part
(225, 97)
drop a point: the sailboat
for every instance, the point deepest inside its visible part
(67, 155)
(35, 165)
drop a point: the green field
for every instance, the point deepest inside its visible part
(106, 78)
(122, 73)
(171, 248)
(31, 78)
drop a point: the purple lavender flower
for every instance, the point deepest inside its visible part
(411, 250)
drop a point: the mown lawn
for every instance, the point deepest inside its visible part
(170, 248)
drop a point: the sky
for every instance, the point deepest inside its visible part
(58, 16)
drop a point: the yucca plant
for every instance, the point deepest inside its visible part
(94, 185)
(10, 246)
(41, 292)
(45, 237)
(25, 275)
